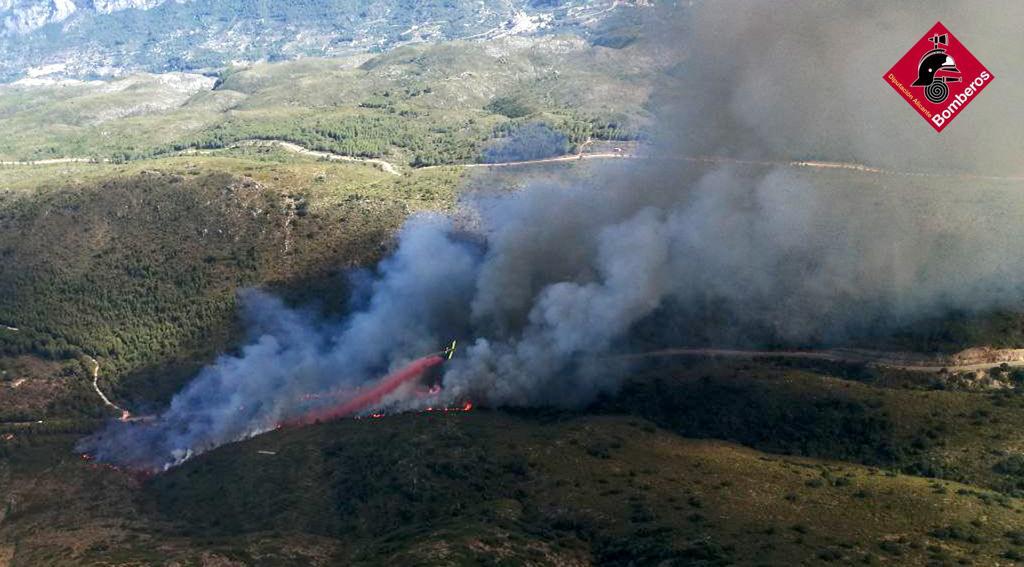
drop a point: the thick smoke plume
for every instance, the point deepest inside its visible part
(558, 277)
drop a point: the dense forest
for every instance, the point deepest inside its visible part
(139, 270)
(419, 142)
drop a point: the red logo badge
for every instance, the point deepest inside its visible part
(938, 77)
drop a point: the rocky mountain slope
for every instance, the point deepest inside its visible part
(103, 38)
(24, 16)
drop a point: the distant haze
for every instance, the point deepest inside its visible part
(85, 39)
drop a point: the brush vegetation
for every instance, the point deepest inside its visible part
(545, 486)
(136, 262)
(138, 265)
(423, 105)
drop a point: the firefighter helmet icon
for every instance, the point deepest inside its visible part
(938, 76)
(936, 69)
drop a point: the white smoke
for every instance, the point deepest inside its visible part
(563, 272)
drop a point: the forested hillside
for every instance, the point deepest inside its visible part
(416, 106)
(139, 266)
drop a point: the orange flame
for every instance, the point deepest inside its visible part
(466, 406)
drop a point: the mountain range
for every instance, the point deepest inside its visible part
(89, 39)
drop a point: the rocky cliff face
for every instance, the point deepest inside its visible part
(108, 6)
(88, 39)
(23, 16)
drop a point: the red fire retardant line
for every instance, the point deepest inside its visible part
(370, 397)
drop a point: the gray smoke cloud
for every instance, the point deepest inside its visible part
(526, 142)
(797, 79)
(419, 292)
(558, 277)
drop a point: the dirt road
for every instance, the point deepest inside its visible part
(53, 161)
(847, 166)
(558, 159)
(822, 165)
(125, 414)
(963, 361)
(385, 166)
(393, 169)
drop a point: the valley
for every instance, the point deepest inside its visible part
(702, 317)
(927, 456)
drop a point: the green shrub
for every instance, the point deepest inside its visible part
(510, 107)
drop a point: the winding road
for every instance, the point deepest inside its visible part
(964, 361)
(847, 166)
(394, 169)
(557, 159)
(970, 360)
(125, 414)
(53, 161)
(385, 166)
